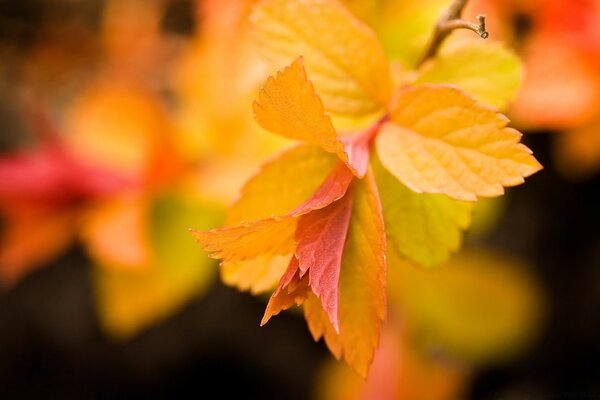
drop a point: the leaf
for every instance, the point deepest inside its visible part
(129, 301)
(488, 71)
(288, 106)
(410, 20)
(265, 237)
(401, 369)
(50, 174)
(440, 140)
(30, 237)
(333, 188)
(282, 184)
(480, 307)
(362, 284)
(363, 278)
(331, 41)
(115, 232)
(257, 275)
(358, 149)
(320, 326)
(117, 127)
(423, 227)
(292, 289)
(275, 235)
(320, 237)
(556, 96)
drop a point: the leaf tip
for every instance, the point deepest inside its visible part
(265, 319)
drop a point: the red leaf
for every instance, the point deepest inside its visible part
(321, 236)
(332, 189)
(358, 148)
(272, 235)
(297, 291)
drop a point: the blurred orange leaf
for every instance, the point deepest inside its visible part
(30, 238)
(115, 232)
(400, 371)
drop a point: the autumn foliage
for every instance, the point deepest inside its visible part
(320, 216)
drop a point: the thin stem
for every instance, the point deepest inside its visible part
(455, 9)
(449, 21)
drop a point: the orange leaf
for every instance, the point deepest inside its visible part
(331, 40)
(362, 284)
(115, 232)
(265, 237)
(441, 140)
(288, 106)
(31, 237)
(293, 176)
(363, 278)
(272, 236)
(320, 327)
(556, 95)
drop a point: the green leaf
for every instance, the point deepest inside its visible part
(129, 301)
(487, 70)
(426, 228)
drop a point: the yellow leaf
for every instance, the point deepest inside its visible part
(342, 55)
(362, 285)
(441, 140)
(258, 275)
(480, 306)
(423, 227)
(282, 184)
(129, 301)
(488, 71)
(413, 21)
(288, 106)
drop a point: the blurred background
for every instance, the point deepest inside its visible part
(125, 122)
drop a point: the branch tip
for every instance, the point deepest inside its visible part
(482, 31)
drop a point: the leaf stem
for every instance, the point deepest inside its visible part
(449, 21)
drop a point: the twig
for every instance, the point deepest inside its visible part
(449, 21)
